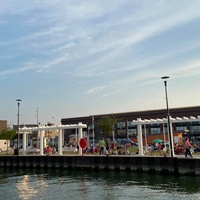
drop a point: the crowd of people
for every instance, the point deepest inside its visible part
(107, 147)
(184, 147)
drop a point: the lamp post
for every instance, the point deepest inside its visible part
(168, 118)
(93, 143)
(18, 104)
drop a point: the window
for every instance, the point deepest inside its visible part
(120, 125)
(181, 128)
(195, 129)
(130, 125)
(132, 132)
(155, 130)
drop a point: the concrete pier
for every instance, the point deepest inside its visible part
(163, 165)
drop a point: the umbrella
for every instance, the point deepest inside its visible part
(157, 141)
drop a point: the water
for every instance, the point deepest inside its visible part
(90, 185)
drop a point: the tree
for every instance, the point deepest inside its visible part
(107, 124)
(7, 134)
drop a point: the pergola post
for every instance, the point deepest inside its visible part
(41, 142)
(140, 142)
(60, 142)
(24, 143)
(80, 135)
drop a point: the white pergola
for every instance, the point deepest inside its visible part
(41, 129)
(139, 122)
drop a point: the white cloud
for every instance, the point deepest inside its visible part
(99, 47)
(96, 90)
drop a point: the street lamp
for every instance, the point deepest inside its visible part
(168, 118)
(18, 104)
(93, 132)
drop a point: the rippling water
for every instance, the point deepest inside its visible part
(63, 184)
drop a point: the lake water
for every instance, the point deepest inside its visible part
(55, 184)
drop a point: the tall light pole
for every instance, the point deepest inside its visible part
(93, 132)
(168, 118)
(18, 104)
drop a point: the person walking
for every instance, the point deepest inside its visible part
(187, 147)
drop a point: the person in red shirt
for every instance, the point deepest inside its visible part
(112, 147)
(187, 146)
(48, 150)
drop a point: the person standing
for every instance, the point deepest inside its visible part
(159, 148)
(112, 147)
(152, 149)
(102, 146)
(187, 147)
(48, 150)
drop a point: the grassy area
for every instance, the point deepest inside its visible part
(6, 154)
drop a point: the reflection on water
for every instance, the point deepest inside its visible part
(65, 184)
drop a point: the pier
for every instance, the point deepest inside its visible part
(163, 165)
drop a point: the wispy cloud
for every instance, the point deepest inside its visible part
(186, 69)
(112, 42)
(111, 93)
(96, 90)
(100, 48)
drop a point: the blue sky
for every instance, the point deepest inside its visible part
(71, 58)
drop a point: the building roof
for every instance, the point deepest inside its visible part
(145, 114)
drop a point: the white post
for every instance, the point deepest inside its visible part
(76, 135)
(44, 141)
(60, 142)
(80, 135)
(172, 138)
(41, 142)
(24, 143)
(140, 143)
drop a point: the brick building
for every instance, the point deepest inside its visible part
(125, 128)
(3, 125)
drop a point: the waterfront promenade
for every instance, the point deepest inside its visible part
(178, 165)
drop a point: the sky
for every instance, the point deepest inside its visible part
(74, 58)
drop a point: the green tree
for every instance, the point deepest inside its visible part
(107, 124)
(7, 134)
